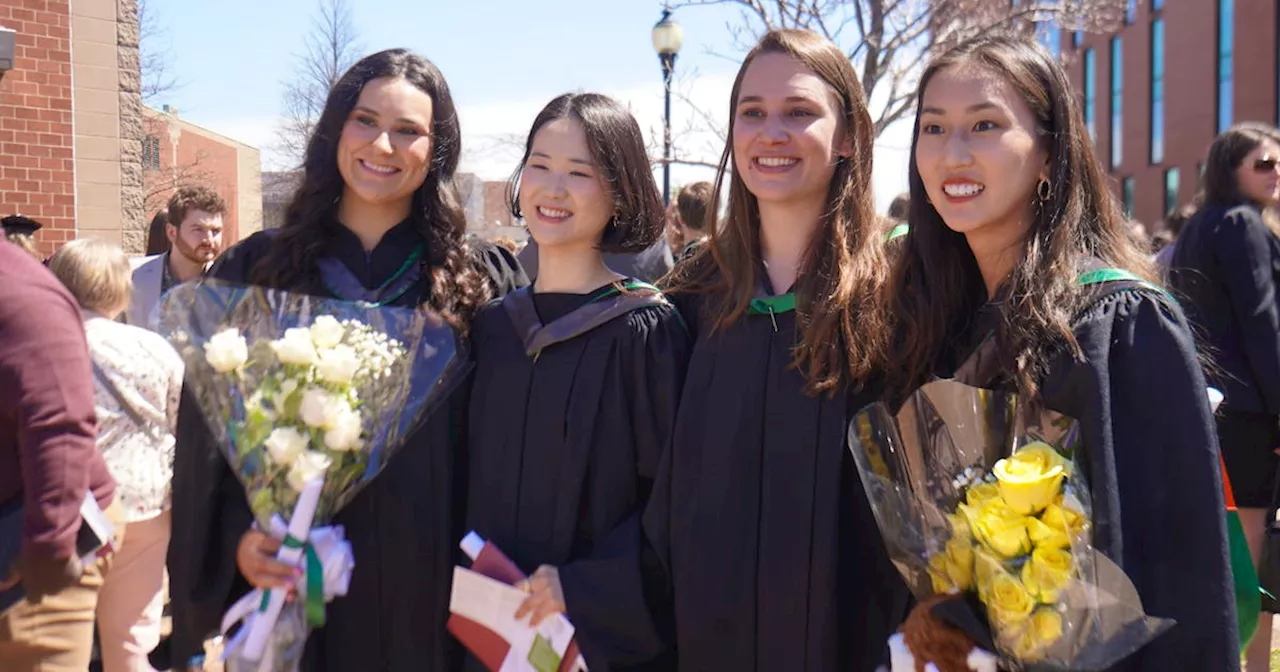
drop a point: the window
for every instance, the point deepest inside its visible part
(1157, 5)
(1226, 34)
(1090, 91)
(1127, 194)
(1157, 91)
(1170, 190)
(1130, 11)
(1048, 35)
(1117, 102)
(151, 153)
(1076, 38)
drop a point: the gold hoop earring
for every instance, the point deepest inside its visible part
(1044, 190)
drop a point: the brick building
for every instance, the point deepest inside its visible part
(177, 153)
(70, 119)
(72, 127)
(1161, 87)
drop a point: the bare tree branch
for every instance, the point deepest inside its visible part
(889, 41)
(153, 55)
(332, 47)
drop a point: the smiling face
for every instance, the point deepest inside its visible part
(384, 152)
(788, 131)
(564, 201)
(978, 153)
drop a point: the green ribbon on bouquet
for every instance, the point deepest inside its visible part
(315, 583)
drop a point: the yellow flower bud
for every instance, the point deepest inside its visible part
(1045, 536)
(1002, 530)
(960, 563)
(1064, 519)
(1031, 479)
(940, 577)
(1046, 573)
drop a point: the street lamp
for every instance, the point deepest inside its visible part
(667, 38)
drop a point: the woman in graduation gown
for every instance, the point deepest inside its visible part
(1011, 226)
(773, 556)
(584, 368)
(375, 219)
(1225, 267)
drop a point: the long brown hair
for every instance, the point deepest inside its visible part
(936, 287)
(841, 338)
(458, 289)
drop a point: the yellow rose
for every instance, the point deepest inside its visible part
(959, 523)
(980, 493)
(1046, 573)
(940, 575)
(1040, 632)
(1001, 529)
(1031, 478)
(1065, 519)
(1044, 536)
(1008, 602)
(960, 563)
(952, 570)
(985, 567)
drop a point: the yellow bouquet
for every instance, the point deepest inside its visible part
(978, 498)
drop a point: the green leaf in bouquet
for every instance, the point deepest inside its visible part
(257, 428)
(263, 503)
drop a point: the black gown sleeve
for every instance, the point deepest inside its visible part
(1242, 245)
(605, 591)
(1152, 455)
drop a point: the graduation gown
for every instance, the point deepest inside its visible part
(759, 518)
(564, 445)
(403, 527)
(1151, 455)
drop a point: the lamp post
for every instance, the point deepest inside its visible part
(668, 36)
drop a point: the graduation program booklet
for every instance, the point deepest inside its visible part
(484, 611)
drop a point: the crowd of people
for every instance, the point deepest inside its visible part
(669, 466)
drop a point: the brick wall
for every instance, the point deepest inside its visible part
(36, 160)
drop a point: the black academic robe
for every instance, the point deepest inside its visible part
(1151, 454)
(403, 527)
(772, 553)
(564, 447)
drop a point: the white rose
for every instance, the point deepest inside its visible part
(295, 347)
(327, 332)
(306, 467)
(338, 364)
(345, 433)
(285, 444)
(226, 351)
(321, 409)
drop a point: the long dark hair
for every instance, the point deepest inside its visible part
(841, 336)
(617, 150)
(157, 239)
(936, 287)
(457, 287)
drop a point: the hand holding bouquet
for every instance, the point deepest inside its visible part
(307, 398)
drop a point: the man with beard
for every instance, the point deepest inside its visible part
(194, 230)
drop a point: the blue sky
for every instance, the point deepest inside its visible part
(503, 58)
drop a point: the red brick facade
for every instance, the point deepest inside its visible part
(196, 158)
(1190, 91)
(37, 176)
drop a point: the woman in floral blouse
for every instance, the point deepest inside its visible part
(137, 383)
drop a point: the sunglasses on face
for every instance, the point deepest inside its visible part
(1266, 164)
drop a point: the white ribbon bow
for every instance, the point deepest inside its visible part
(336, 561)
